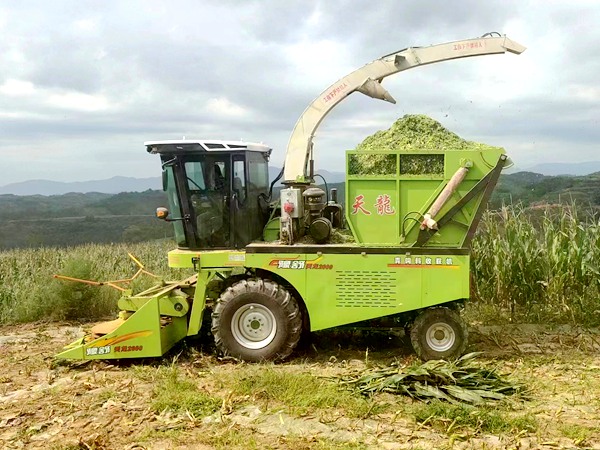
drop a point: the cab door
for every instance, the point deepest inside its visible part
(239, 204)
(208, 193)
(249, 197)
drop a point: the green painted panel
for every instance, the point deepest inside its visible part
(446, 278)
(139, 336)
(411, 193)
(414, 194)
(344, 289)
(340, 289)
(181, 258)
(290, 266)
(373, 210)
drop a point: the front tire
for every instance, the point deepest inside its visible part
(439, 333)
(256, 320)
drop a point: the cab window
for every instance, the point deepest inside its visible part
(239, 180)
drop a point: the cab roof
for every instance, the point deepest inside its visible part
(185, 145)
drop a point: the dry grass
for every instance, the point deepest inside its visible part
(196, 401)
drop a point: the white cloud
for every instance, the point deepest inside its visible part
(588, 94)
(224, 108)
(17, 88)
(113, 74)
(313, 61)
(77, 101)
(87, 26)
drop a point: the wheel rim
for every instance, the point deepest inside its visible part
(440, 337)
(253, 326)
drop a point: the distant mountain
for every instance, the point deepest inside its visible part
(112, 185)
(531, 188)
(76, 218)
(520, 178)
(116, 185)
(575, 169)
(330, 176)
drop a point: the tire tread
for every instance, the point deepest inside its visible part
(281, 296)
(419, 327)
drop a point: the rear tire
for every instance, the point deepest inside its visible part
(439, 333)
(256, 320)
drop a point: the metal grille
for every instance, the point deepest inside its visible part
(372, 164)
(420, 164)
(365, 288)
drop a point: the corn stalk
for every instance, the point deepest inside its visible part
(461, 381)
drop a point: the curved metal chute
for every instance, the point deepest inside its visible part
(367, 80)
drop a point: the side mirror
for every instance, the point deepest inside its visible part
(162, 213)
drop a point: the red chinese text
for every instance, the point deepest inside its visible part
(335, 92)
(319, 266)
(384, 206)
(128, 348)
(468, 45)
(357, 206)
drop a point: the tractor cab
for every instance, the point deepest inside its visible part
(217, 191)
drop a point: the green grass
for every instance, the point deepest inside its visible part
(300, 391)
(177, 393)
(228, 437)
(244, 439)
(451, 418)
(108, 394)
(578, 433)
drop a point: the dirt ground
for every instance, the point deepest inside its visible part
(99, 405)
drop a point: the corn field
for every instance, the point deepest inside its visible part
(529, 265)
(538, 265)
(28, 292)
